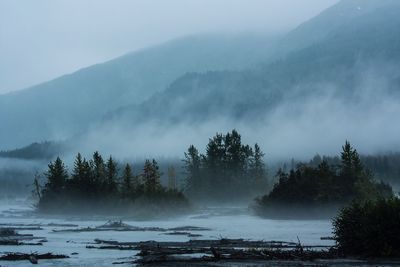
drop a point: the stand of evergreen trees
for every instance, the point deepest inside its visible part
(369, 229)
(98, 185)
(322, 186)
(228, 171)
(386, 167)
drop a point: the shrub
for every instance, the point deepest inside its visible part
(370, 229)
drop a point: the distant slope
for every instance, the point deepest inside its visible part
(45, 150)
(333, 19)
(348, 52)
(336, 64)
(66, 106)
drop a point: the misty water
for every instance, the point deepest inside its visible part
(226, 222)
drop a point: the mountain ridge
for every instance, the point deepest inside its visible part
(66, 106)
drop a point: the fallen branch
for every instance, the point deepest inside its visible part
(198, 251)
(31, 257)
(123, 227)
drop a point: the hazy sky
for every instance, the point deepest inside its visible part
(42, 39)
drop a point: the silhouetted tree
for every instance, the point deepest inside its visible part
(151, 176)
(192, 169)
(257, 167)
(347, 160)
(99, 173)
(56, 176)
(111, 176)
(127, 183)
(80, 191)
(82, 177)
(228, 168)
(309, 185)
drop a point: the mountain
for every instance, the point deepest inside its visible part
(68, 105)
(44, 150)
(349, 54)
(363, 38)
(331, 20)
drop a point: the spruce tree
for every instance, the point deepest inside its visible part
(56, 176)
(258, 169)
(151, 176)
(234, 156)
(215, 166)
(99, 172)
(82, 177)
(347, 160)
(111, 176)
(127, 177)
(192, 167)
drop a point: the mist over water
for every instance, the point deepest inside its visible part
(300, 127)
(103, 158)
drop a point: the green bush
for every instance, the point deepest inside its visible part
(369, 229)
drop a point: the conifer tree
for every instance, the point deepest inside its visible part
(77, 172)
(258, 170)
(127, 177)
(151, 176)
(352, 170)
(192, 166)
(99, 171)
(347, 160)
(82, 177)
(215, 166)
(235, 155)
(56, 176)
(111, 176)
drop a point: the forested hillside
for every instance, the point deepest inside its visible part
(363, 48)
(68, 105)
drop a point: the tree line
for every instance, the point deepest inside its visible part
(98, 181)
(228, 170)
(385, 167)
(326, 184)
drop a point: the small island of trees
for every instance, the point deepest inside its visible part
(321, 190)
(96, 185)
(229, 171)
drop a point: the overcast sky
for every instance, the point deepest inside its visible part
(43, 39)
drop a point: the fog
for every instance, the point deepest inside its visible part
(43, 39)
(298, 128)
(103, 99)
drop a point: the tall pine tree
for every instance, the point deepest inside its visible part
(57, 176)
(127, 183)
(111, 176)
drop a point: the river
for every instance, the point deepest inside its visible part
(226, 222)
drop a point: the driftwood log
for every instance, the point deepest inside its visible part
(202, 251)
(10, 237)
(33, 258)
(123, 227)
(202, 243)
